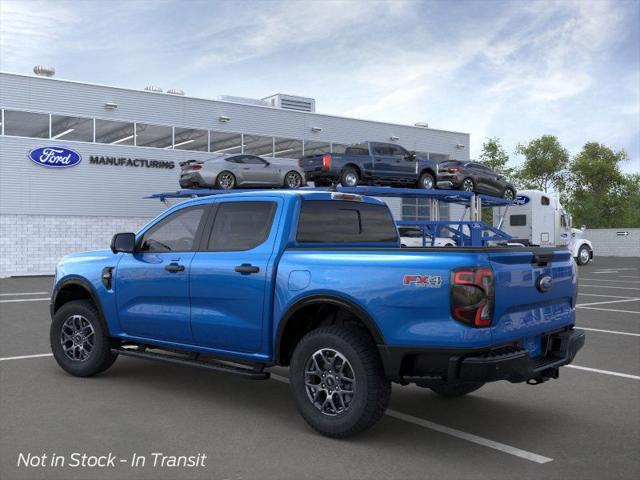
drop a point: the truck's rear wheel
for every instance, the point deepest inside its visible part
(426, 181)
(79, 340)
(457, 389)
(338, 381)
(349, 178)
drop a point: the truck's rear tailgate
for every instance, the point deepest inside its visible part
(527, 302)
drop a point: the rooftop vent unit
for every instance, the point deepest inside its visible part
(44, 71)
(291, 102)
(421, 124)
(175, 91)
(244, 100)
(153, 88)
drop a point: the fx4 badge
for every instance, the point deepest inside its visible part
(425, 281)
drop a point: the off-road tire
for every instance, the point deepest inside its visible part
(372, 389)
(456, 389)
(100, 358)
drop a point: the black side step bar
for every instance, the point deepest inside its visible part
(215, 365)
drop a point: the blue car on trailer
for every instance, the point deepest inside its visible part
(317, 281)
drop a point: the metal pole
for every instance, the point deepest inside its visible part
(474, 206)
(504, 214)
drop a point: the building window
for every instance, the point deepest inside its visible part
(258, 145)
(228, 143)
(115, 133)
(156, 136)
(191, 139)
(71, 128)
(287, 148)
(415, 209)
(316, 148)
(26, 124)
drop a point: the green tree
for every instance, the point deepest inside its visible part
(544, 165)
(495, 157)
(600, 195)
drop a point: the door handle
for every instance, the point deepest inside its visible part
(174, 268)
(247, 269)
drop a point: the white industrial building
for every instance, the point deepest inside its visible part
(131, 142)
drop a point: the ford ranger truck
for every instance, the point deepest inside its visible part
(371, 163)
(315, 281)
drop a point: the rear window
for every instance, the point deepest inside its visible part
(241, 225)
(359, 149)
(338, 221)
(518, 220)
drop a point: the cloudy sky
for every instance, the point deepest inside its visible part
(511, 69)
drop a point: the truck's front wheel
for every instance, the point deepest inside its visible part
(338, 381)
(79, 339)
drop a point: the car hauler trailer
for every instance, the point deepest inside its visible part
(538, 219)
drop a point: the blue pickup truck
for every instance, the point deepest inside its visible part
(316, 281)
(371, 163)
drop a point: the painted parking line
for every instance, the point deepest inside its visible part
(609, 286)
(629, 276)
(606, 372)
(24, 357)
(610, 281)
(609, 331)
(469, 437)
(632, 299)
(600, 295)
(16, 300)
(610, 310)
(22, 293)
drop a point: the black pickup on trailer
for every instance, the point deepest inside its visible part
(371, 163)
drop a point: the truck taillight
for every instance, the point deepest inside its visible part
(472, 296)
(326, 161)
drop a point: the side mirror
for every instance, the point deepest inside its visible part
(123, 242)
(411, 156)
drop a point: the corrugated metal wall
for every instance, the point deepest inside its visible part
(86, 189)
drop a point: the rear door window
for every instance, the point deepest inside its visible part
(241, 225)
(338, 221)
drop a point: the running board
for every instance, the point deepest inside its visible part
(215, 365)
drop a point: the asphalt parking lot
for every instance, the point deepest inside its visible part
(584, 425)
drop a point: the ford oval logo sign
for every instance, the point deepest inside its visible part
(521, 200)
(55, 157)
(544, 283)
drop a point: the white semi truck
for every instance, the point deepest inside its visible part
(538, 219)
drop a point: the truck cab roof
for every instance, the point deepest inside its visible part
(284, 194)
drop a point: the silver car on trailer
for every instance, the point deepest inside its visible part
(243, 170)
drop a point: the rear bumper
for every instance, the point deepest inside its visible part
(316, 173)
(193, 179)
(509, 362)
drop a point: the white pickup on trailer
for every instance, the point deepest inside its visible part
(538, 219)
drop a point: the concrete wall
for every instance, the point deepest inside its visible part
(607, 242)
